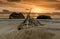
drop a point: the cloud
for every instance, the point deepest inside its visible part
(13, 0)
(41, 3)
(43, 0)
(7, 4)
(56, 6)
(51, 0)
(1, 2)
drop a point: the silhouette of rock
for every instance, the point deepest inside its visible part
(21, 16)
(15, 15)
(43, 17)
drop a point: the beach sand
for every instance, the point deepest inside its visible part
(8, 30)
(29, 34)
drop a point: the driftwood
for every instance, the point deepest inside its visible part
(30, 22)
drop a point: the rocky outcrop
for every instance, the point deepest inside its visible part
(43, 17)
(15, 15)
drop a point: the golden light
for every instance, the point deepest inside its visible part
(36, 10)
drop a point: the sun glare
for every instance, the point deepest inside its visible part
(36, 10)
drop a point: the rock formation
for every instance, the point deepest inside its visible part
(43, 17)
(15, 15)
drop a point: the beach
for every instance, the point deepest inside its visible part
(9, 26)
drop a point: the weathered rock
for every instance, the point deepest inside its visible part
(43, 17)
(15, 15)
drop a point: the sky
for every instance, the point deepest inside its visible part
(36, 5)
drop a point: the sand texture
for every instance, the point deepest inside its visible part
(29, 34)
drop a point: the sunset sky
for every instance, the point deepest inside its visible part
(39, 6)
(22, 5)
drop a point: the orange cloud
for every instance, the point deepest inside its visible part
(13, 0)
(51, 4)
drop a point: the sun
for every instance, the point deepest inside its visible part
(36, 10)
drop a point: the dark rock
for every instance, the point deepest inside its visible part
(43, 17)
(15, 15)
